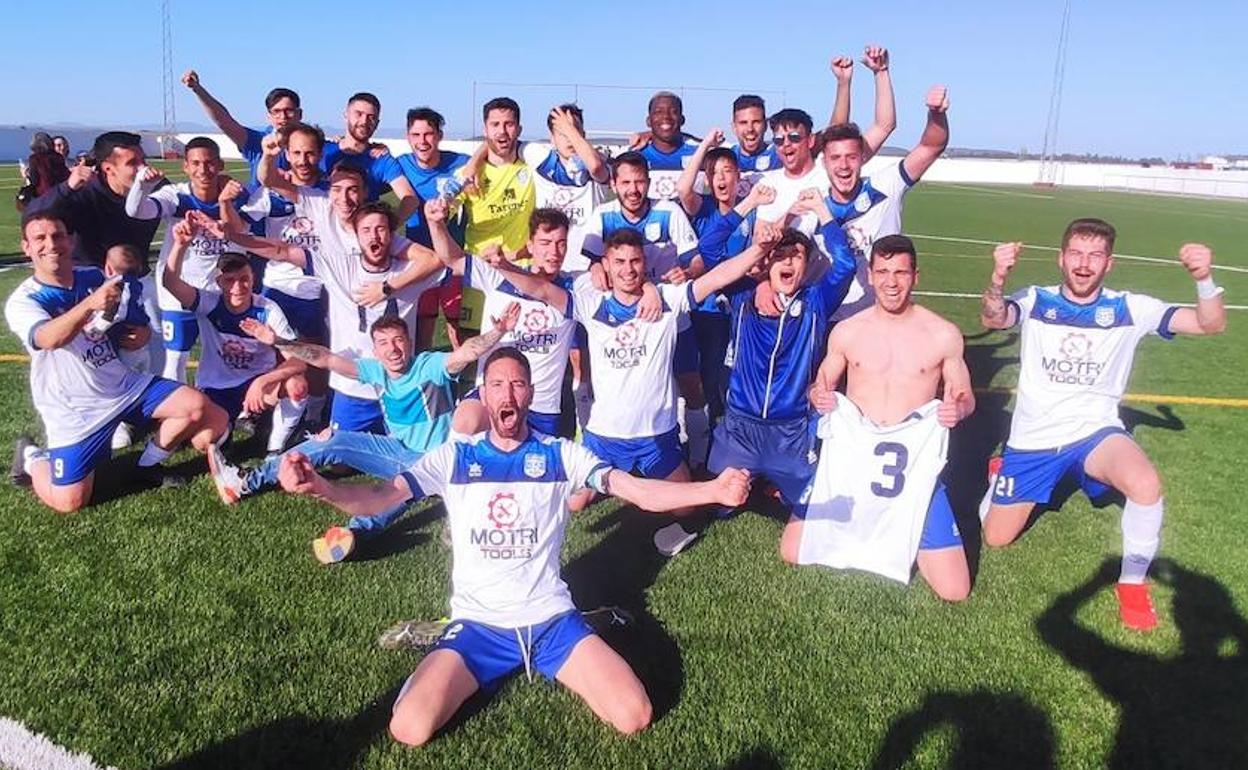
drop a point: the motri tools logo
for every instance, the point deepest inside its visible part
(535, 332)
(1075, 366)
(504, 540)
(628, 350)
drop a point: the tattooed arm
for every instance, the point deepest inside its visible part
(318, 356)
(994, 312)
(473, 348)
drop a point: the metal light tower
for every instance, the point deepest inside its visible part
(1048, 164)
(170, 124)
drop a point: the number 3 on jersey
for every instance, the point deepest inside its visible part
(894, 469)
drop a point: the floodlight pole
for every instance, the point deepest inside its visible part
(1048, 162)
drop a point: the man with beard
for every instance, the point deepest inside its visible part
(281, 105)
(498, 212)
(362, 116)
(506, 491)
(884, 440)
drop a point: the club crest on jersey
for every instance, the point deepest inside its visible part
(522, 176)
(1104, 317)
(795, 308)
(503, 511)
(763, 163)
(862, 203)
(534, 465)
(653, 230)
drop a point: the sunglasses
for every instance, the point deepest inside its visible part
(793, 137)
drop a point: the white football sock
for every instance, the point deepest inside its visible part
(153, 454)
(286, 418)
(1141, 534)
(175, 365)
(32, 455)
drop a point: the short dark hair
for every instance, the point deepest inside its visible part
(45, 215)
(1090, 227)
(577, 116)
(890, 245)
(390, 321)
(746, 101)
(630, 158)
(318, 136)
(680, 104)
(790, 116)
(547, 219)
(365, 96)
(203, 143)
(427, 114)
(500, 103)
(717, 154)
(508, 353)
(108, 141)
(127, 250)
(791, 238)
(278, 94)
(837, 133)
(232, 262)
(625, 236)
(348, 166)
(41, 142)
(375, 207)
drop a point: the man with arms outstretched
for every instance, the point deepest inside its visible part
(895, 356)
(506, 493)
(1078, 342)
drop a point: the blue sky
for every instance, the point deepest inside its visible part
(1142, 78)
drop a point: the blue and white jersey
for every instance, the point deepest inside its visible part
(379, 171)
(754, 166)
(872, 212)
(565, 184)
(1075, 361)
(340, 264)
(252, 150)
(773, 359)
(507, 512)
(666, 167)
(544, 334)
(231, 356)
(289, 223)
(631, 369)
(199, 263)
(669, 238)
(429, 183)
(80, 386)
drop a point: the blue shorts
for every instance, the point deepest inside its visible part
(229, 399)
(492, 653)
(685, 358)
(652, 457)
(541, 422)
(73, 463)
(1030, 476)
(179, 330)
(782, 451)
(306, 316)
(940, 528)
(358, 414)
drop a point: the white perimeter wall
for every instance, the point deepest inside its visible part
(1101, 176)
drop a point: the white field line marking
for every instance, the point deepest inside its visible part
(968, 295)
(21, 749)
(1158, 260)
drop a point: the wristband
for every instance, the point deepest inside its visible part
(1207, 289)
(386, 289)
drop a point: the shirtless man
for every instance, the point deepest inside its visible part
(896, 355)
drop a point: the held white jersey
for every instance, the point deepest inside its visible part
(78, 387)
(199, 263)
(341, 267)
(787, 191)
(289, 223)
(230, 355)
(1075, 361)
(872, 213)
(631, 360)
(544, 334)
(565, 184)
(507, 513)
(867, 503)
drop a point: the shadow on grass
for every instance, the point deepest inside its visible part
(297, 742)
(1186, 711)
(992, 730)
(403, 535)
(618, 570)
(755, 759)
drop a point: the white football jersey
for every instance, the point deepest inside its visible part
(230, 355)
(868, 501)
(340, 265)
(199, 262)
(507, 513)
(544, 334)
(787, 191)
(289, 223)
(874, 212)
(565, 185)
(77, 387)
(1075, 361)
(631, 360)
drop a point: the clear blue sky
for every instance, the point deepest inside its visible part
(1142, 78)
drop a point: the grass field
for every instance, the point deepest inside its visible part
(161, 629)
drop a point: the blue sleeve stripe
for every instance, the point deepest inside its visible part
(413, 485)
(1018, 311)
(33, 329)
(1163, 329)
(901, 166)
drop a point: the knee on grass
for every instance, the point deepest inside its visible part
(412, 730)
(631, 714)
